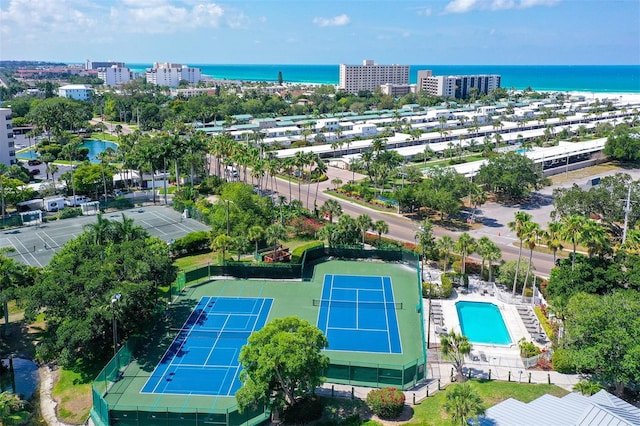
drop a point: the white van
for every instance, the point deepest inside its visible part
(79, 199)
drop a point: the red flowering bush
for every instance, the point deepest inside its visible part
(305, 227)
(386, 403)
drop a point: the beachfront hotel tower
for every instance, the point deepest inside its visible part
(456, 86)
(369, 76)
(167, 74)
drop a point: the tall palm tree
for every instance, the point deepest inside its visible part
(222, 243)
(364, 222)
(492, 255)
(572, 231)
(274, 234)
(455, 346)
(465, 245)
(462, 402)
(482, 248)
(551, 238)
(300, 160)
(520, 219)
(320, 170)
(531, 232)
(125, 230)
(595, 238)
(445, 246)
(255, 233)
(381, 227)
(331, 208)
(105, 158)
(426, 240)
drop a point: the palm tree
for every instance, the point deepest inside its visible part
(462, 402)
(300, 160)
(483, 247)
(320, 170)
(125, 230)
(520, 218)
(572, 231)
(531, 232)
(595, 238)
(364, 222)
(331, 208)
(455, 346)
(492, 254)
(445, 247)
(105, 158)
(381, 227)
(101, 230)
(551, 238)
(465, 245)
(426, 240)
(273, 234)
(222, 243)
(255, 233)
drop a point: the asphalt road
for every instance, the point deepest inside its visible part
(492, 217)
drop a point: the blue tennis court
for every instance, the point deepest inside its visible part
(358, 314)
(203, 358)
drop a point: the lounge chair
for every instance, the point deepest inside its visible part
(483, 357)
(474, 356)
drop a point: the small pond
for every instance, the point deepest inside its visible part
(25, 378)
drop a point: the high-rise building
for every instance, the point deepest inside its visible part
(90, 65)
(369, 76)
(114, 75)
(167, 74)
(7, 145)
(457, 86)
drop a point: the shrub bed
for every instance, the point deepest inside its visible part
(562, 362)
(193, 242)
(386, 403)
(298, 252)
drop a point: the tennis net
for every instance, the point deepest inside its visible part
(212, 334)
(332, 303)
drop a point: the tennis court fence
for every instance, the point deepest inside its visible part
(109, 390)
(376, 375)
(287, 271)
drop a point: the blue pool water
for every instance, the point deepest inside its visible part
(95, 146)
(482, 323)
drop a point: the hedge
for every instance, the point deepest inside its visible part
(298, 252)
(386, 403)
(193, 242)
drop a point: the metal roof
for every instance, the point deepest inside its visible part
(601, 409)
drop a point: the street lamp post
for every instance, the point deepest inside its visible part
(114, 300)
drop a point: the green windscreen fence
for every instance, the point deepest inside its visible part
(376, 375)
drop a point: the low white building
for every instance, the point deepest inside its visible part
(79, 92)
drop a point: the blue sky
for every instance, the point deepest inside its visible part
(493, 32)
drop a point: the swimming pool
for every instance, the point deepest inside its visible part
(482, 323)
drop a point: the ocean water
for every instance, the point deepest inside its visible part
(585, 78)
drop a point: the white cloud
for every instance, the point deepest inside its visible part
(425, 11)
(159, 16)
(28, 17)
(336, 21)
(463, 6)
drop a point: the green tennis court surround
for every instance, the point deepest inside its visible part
(117, 391)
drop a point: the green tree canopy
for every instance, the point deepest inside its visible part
(75, 290)
(281, 362)
(512, 175)
(623, 144)
(599, 336)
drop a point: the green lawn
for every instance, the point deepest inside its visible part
(431, 410)
(104, 136)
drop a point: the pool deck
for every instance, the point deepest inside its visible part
(482, 354)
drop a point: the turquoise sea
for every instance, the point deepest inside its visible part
(586, 78)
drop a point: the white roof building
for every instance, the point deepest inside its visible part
(79, 92)
(7, 149)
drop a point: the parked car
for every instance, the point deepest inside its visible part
(34, 172)
(34, 162)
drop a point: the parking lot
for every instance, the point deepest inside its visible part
(36, 245)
